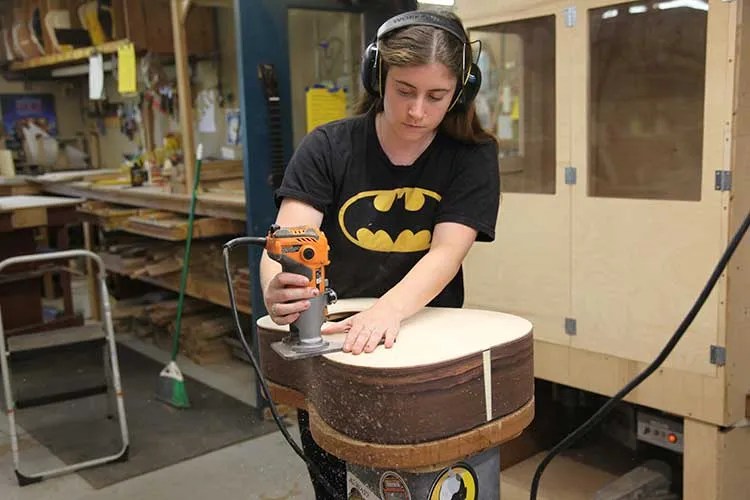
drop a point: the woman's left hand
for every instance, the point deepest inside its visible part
(366, 329)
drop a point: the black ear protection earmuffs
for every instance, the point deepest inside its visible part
(467, 88)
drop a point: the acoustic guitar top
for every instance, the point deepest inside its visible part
(433, 335)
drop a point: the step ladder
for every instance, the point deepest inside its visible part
(49, 341)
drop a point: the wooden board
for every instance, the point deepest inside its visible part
(564, 479)
(469, 366)
(222, 206)
(738, 272)
(12, 203)
(173, 227)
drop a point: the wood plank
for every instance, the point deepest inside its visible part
(717, 461)
(672, 390)
(171, 227)
(80, 54)
(10, 203)
(198, 287)
(209, 205)
(738, 271)
(28, 217)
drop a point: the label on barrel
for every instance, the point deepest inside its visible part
(393, 487)
(456, 482)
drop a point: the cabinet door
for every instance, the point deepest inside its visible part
(526, 271)
(650, 108)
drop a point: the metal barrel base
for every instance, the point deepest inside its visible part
(474, 478)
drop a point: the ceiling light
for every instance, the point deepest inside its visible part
(437, 2)
(692, 4)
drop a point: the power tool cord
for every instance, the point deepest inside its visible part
(666, 351)
(247, 241)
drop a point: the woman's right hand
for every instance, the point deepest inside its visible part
(287, 296)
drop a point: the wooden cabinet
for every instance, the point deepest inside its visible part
(649, 101)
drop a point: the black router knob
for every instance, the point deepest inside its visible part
(308, 253)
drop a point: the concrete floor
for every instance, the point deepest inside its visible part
(265, 468)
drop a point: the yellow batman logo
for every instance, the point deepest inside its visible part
(398, 220)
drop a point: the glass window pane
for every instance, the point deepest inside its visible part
(517, 100)
(648, 66)
(324, 49)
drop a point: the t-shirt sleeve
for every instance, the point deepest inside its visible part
(473, 196)
(308, 177)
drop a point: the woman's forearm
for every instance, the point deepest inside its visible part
(423, 283)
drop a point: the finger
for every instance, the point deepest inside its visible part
(352, 337)
(361, 341)
(288, 308)
(390, 338)
(285, 320)
(292, 294)
(291, 279)
(337, 327)
(373, 341)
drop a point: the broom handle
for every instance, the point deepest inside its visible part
(186, 262)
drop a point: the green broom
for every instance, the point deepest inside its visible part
(171, 388)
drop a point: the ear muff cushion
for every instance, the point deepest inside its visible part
(471, 88)
(369, 70)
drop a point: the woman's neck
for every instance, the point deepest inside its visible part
(400, 152)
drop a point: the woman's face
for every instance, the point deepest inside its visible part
(417, 98)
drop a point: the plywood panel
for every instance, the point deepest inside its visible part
(527, 269)
(674, 391)
(717, 462)
(482, 12)
(738, 274)
(638, 265)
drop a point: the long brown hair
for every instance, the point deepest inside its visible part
(420, 45)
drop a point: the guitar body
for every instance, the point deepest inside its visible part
(23, 42)
(452, 373)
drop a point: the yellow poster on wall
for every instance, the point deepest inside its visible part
(324, 105)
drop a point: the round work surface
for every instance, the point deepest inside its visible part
(451, 372)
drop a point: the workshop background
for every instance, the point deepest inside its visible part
(622, 133)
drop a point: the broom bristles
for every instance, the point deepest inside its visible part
(171, 387)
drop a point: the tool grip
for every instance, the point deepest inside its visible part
(289, 265)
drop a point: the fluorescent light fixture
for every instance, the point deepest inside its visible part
(437, 2)
(691, 4)
(609, 14)
(637, 9)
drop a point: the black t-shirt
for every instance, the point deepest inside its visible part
(379, 217)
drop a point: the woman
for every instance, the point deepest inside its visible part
(402, 191)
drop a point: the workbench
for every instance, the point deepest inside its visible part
(21, 218)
